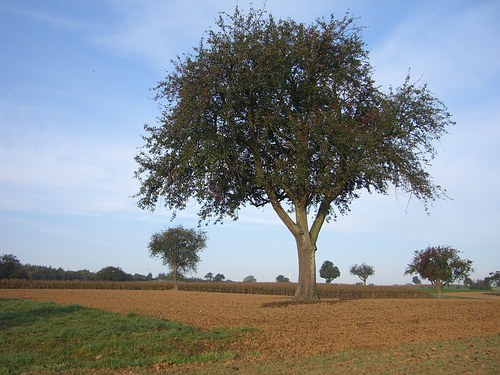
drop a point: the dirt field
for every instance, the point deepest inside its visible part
(475, 295)
(298, 330)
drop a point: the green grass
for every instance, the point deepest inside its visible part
(454, 289)
(42, 337)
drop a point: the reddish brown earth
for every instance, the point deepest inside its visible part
(296, 330)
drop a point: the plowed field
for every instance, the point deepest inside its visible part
(295, 330)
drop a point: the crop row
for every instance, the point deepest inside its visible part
(288, 289)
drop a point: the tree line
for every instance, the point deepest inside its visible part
(12, 268)
(179, 249)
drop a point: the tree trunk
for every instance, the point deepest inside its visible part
(306, 290)
(438, 287)
(305, 239)
(176, 286)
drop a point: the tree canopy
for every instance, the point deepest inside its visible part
(11, 267)
(282, 279)
(494, 278)
(363, 271)
(219, 278)
(268, 111)
(179, 248)
(328, 271)
(441, 265)
(111, 273)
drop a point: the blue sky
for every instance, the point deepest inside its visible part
(74, 95)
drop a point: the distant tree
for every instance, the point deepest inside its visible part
(178, 248)
(162, 276)
(480, 284)
(441, 265)
(468, 282)
(111, 273)
(84, 275)
(170, 276)
(363, 271)
(328, 271)
(209, 276)
(249, 279)
(11, 267)
(416, 280)
(274, 112)
(139, 277)
(219, 277)
(282, 279)
(494, 278)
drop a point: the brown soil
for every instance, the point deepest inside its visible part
(476, 295)
(288, 330)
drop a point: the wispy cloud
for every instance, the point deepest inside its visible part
(150, 31)
(66, 173)
(158, 31)
(451, 47)
(38, 14)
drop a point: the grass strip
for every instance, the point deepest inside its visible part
(42, 337)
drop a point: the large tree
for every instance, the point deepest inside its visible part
(275, 112)
(179, 248)
(441, 265)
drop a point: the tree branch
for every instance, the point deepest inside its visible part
(321, 215)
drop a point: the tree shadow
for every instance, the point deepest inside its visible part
(33, 313)
(280, 304)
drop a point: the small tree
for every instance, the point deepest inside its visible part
(282, 279)
(178, 248)
(328, 271)
(249, 279)
(209, 276)
(219, 278)
(441, 265)
(363, 271)
(416, 280)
